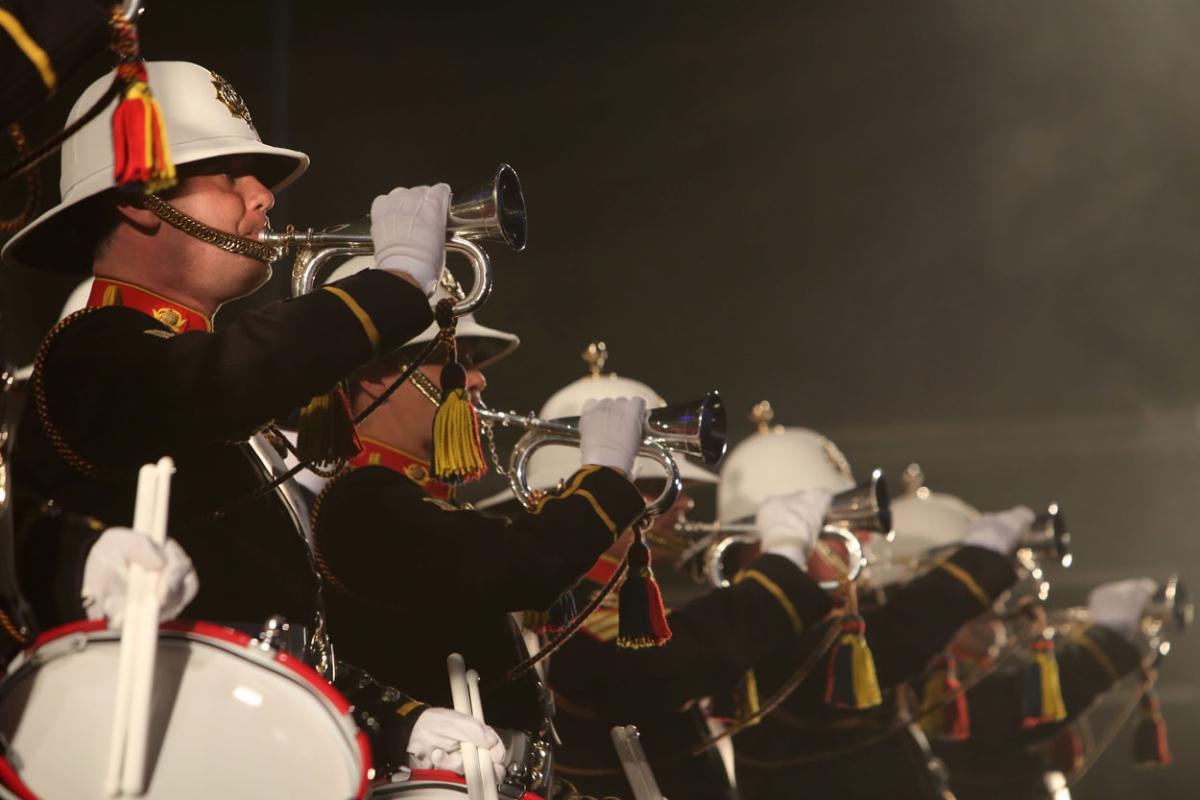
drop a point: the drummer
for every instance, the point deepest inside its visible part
(141, 373)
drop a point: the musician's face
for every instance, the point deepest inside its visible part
(223, 194)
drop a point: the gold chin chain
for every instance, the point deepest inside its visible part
(241, 246)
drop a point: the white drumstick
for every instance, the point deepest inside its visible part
(627, 740)
(461, 696)
(143, 509)
(485, 756)
(133, 774)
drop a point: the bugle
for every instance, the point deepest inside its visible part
(696, 428)
(494, 212)
(865, 507)
(1048, 537)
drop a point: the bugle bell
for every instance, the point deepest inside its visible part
(866, 507)
(1171, 606)
(1048, 537)
(493, 212)
(696, 428)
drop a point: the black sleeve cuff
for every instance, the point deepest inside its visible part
(385, 714)
(614, 498)
(798, 595)
(394, 310)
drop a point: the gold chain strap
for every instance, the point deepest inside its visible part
(259, 251)
(59, 442)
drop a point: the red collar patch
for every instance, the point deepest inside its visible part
(377, 454)
(176, 316)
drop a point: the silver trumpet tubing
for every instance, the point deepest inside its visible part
(866, 507)
(1169, 611)
(494, 212)
(696, 428)
(1048, 538)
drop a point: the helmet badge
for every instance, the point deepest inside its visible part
(232, 100)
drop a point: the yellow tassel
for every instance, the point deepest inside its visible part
(850, 679)
(1043, 691)
(457, 452)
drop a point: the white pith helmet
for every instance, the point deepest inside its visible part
(76, 300)
(204, 118)
(774, 461)
(486, 345)
(554, 463)
(924, 521)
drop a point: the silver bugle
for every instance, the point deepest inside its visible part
(493, 212)
(1048, 537)
(696, 428)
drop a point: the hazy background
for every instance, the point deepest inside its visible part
(955, 232)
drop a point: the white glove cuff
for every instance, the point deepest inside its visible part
(605, 456)
(420, 270)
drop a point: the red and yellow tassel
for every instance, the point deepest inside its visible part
(850, 680)
(643, 619)
(944, 710)
(1150, 747)
(141, 157)
(1043, 693)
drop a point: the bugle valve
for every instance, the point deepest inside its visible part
(494, 212)
(696, 428)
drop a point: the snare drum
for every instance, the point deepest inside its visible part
(430, 784)
(231, 718)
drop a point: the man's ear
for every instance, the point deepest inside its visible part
(139, 217)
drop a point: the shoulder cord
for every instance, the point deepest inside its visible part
(41, 405)
(561, 639)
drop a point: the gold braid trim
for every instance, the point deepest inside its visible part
(64, 450)
(322, 565)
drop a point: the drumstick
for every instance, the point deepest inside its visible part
(461, 696)
(485, 756)
(142, 516)
(145, 628)
(627, 741)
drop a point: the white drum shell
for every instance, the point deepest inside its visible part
(229, 719)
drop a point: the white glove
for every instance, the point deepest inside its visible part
(106, 574)
(611, 432)
(1119, 605)
(437, 737)
(408, 229)
(790, 523)
(1000, 531)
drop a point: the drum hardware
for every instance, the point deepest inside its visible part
(696, 428)
(274, 631)
(494, 212)
(865, 507)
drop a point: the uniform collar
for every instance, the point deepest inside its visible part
(375, 453)
(603, 570)
(176, 316)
